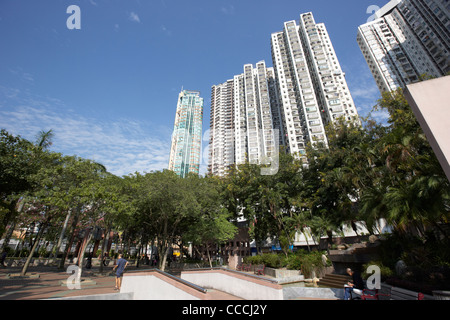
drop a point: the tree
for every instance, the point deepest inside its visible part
(330, 182)
(210, 224)
(44, 139)
(17, 164)
(417, 192)
(164, 202)
(64, 185)
(265, 200)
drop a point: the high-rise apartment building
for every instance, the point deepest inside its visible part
(312, 88)
(289, 104)
(407, 39)
(221, 146)
(187, 134)
(245, 119)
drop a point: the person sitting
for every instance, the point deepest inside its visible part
(355, 285)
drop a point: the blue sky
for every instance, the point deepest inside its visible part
(109, 90)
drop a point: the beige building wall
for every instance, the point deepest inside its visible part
(430, 102)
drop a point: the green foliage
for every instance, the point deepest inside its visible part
(385, 271)
(272, 260)
(364, 174)
(43, 253)
(265, 200)
(17, 163)
(307, 262)
(254, 260)
(293, 262)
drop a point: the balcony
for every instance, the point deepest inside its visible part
(313, 116)
(336, 109)
(311, 109)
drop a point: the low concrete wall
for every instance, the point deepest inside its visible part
(281, 273)
(317, 293)
(112, 296)
(155, 285)
(235, 283)
(284, 276)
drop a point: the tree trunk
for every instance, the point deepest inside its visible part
(69, 245)
(87, 239)
(163, 259)
(61, 236)
(330, 238)
(11, 217)
(30, 256)
(8, 235)
(103, 249)
(307, 242)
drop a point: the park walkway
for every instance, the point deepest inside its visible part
(45, 283)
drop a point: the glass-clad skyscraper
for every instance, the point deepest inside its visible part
(187, 134)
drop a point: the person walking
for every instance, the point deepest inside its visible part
(120, 266)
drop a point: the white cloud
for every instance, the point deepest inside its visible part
(123, 146)
(381, 116)
(166, 31)
(227, 9)
(21, 74)
(363, 88)
(134, 17)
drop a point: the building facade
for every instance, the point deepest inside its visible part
(222, 144)
(407, 40)
(185, 152)
(289, 104)
(312, 88)
(245, 119)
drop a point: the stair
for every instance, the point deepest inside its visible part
(334, 280)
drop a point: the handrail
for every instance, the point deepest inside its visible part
(168, 275)
(237, 272)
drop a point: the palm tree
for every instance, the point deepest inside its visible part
(44, 139)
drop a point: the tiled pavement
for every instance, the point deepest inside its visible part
(45, 283)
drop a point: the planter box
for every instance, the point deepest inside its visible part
(281, 273)
(284, 275)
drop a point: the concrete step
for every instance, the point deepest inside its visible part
(334, 280)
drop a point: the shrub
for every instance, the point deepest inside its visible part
(272, 260)
(386, 272)
(293, 262)
(253, 260)
(43, 253)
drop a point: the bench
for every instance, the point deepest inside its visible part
(260, 270)
(243, 267)
(403, 294)
(396, 294)
(372, 294)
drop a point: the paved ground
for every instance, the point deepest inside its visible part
(45, 283)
